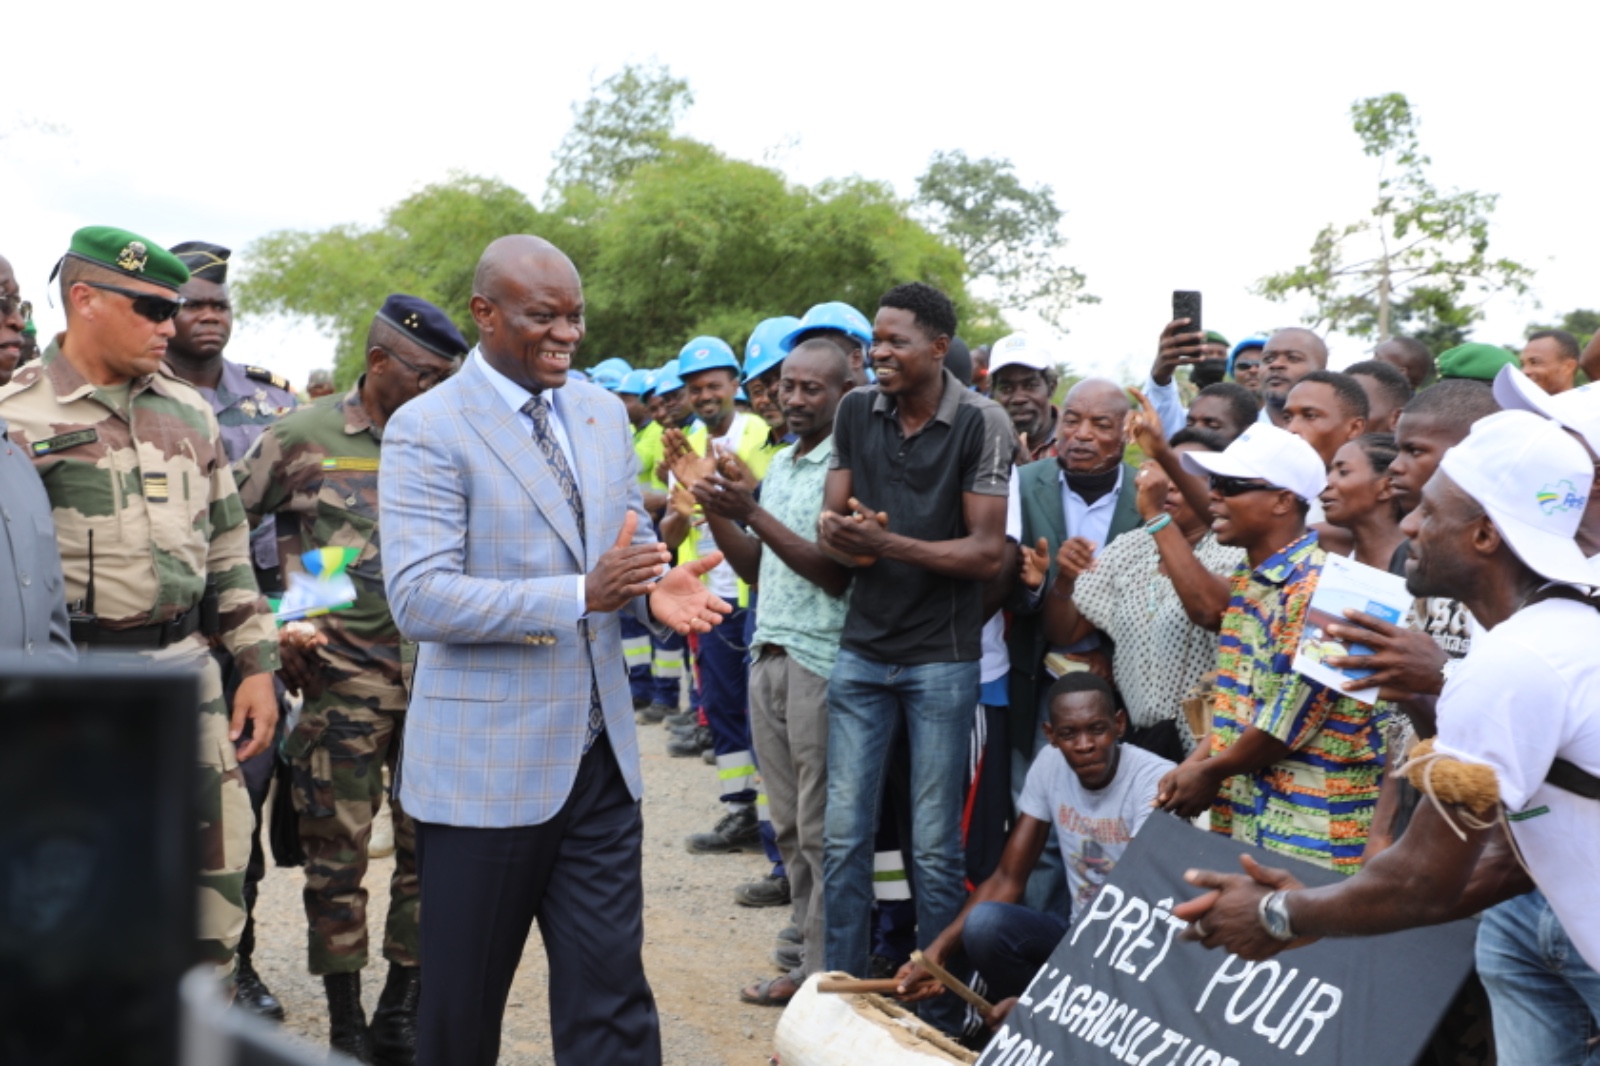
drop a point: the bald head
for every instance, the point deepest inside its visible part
(519, 255)
(1090, 437)
(527, 301)
(1097, 393)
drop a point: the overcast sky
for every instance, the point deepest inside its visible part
(1192, 145)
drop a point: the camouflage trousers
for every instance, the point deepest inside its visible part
(337, 752)
(226, 818)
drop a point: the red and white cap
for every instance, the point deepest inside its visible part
(1532, 480)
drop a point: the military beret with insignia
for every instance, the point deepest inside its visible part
(425, 324)
(128, 254)
(1475, 362)
(208, 262)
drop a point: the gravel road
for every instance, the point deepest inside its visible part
(700, 947)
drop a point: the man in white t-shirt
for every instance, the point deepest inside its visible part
(1097, 793)
(1518, 750)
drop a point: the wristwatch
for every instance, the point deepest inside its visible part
(1274, 914)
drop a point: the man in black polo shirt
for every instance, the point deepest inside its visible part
(916, 501)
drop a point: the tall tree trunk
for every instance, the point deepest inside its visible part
(1383, 302)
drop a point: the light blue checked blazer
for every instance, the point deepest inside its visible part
(480, 550)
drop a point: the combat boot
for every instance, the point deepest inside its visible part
(250, 991)
(253, 994)
(394, 1021)
(347, 1021)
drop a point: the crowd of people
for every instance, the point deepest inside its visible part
(947, 632)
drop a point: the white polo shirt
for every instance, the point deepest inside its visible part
(1527, 692)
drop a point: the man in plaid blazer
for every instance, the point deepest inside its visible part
(513, 532)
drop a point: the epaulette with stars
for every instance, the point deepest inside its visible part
(277, 381)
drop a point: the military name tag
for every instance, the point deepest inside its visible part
(350, 462)
(65, 441)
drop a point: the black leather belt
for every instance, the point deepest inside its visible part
(159, 635)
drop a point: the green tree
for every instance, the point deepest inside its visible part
(427, 245)
(698, 243)
(1421, 258)
(671, 237)
(1009, 234)
(626, 121)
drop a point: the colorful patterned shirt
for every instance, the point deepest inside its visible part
(1316, 804)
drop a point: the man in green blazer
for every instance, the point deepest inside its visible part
(1087, 491)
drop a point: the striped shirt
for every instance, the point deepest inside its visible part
(1316, 804)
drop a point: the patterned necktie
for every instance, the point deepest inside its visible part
(545, 437)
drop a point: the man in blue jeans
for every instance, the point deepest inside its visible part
(915, 500)
(1097, 793)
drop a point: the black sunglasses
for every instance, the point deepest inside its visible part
(1223, 485)
(155, 308)
(426, 379)
(1245, 364)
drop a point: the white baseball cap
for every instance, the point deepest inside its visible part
(1269, 454)
(1576, 409)
(1532, 480)
(1019, 349)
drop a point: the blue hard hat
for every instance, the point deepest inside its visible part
(634, 383)
(608, 373)
(834, 315)
(667, 379)
(765, 349)
(706, 353)
(741, 396)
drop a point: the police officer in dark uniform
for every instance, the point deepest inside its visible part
(246, 400)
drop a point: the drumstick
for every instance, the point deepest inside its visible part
(951, 983)
(881, 986)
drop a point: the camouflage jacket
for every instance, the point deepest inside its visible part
(317, 470)
(154, 486)
(246, 401)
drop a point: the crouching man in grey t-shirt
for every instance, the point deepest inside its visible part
(1098, 793)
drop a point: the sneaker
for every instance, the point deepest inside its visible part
(651, 713)
(683, 718)
(736, 831)
(770, 891)
(683, 730)
(789, 934)
(693, 744)
(641, 702)
(709, 756)
(789, 957)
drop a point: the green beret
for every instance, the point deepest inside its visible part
(1213, 337)
(1475, 362)
(129, 254)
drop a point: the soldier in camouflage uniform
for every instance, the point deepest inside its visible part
(246, 400)
(317, 471)
(146, 512)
